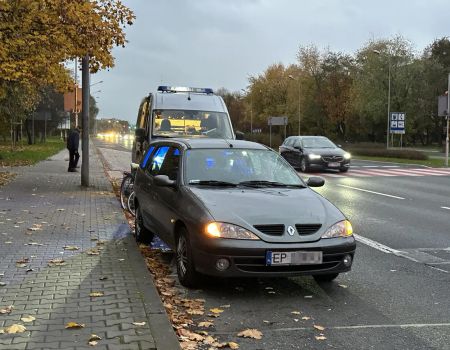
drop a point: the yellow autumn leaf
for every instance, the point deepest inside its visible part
(28, 319)
(74, 325)
(139, 323)
(94, 337)
(96, 294)
(205, 324)
(216, 310)
(295, 312)
(70, 247)
(15, 328)
(318, 327)
(233, 345)
(250, 333)
(320, 337)
(306, 318)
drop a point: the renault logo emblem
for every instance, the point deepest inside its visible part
(291, 230)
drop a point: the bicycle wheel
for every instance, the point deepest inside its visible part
(124, 191)
(131, 207)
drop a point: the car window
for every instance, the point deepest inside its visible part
(147, 156)
(237, 165)
(297, 143)
(171, 164)
(288, 141)
(155, 165)
(318, 142)
(179, 122)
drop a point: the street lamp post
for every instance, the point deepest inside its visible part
(299, 104)
(389, 96)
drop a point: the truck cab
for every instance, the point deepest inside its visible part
(180, 112)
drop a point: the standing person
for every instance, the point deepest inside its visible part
(72, 145)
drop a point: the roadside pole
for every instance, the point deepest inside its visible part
(85, 121)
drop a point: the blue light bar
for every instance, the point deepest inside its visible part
(164, 88)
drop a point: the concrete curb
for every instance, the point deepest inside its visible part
(160, 326)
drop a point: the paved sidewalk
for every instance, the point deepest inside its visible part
(44, 210)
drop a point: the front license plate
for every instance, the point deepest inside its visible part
(293, 258)
(333, 165)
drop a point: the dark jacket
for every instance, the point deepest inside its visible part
(73, 140)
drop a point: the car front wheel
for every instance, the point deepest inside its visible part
(142, 234)
(303, 166)
(186, 272)
(328, 277)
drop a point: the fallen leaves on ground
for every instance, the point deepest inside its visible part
(6, 177)
(139, 323)
(74, 325)
(28, 319)
(216, 310)
(93, 251)
(93, 339)
(250, 333)
(14, 328)
(96, 294)
(71, 247)
(23, 261)
(342, 286)
(35, 227)
(56, 262)
(295, 312)
(320, 337)
(7, 310)
(306, 318)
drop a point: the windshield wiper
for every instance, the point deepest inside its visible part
(263, 183)
(211, 183)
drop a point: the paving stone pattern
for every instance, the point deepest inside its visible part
(47, 195)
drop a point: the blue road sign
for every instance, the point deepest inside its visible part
(397, 122)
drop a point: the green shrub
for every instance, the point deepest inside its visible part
(388, 153)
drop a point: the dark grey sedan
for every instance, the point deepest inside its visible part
(314, 153)
(236, 208)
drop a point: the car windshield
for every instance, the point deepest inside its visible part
(180, 123)
(238, 166)
(317, 142)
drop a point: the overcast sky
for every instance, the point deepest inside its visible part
(219, 43)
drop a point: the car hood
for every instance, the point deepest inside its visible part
(247, 207)
(325, 151)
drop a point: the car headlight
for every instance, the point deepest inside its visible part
(223, 230)
(340, 229)
(347, 155)
(313, 156)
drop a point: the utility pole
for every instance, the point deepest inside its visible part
(85, 121)
(75, 111)
(447, 117)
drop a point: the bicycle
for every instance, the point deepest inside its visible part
(127, 191)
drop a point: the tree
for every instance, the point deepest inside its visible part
(38, 36)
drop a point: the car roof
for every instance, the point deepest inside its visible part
(202, 143)
(189, 101)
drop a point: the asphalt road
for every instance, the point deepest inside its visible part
(396, 296)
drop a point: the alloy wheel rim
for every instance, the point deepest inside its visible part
(303, 165)
(182, 255)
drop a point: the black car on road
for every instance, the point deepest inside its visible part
(236, 208)
(309, 153)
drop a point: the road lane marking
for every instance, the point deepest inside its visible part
(381, 247)
(368, 191)
(445, 208)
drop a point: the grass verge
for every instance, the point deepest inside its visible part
(29, 154)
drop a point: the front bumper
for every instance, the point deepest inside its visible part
(248, 258)
(321, 164)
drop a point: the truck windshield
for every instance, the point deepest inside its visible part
(180, 123)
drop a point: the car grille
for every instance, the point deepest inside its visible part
(258, 264)
(332, 158)
(307, 229)
(274, 230)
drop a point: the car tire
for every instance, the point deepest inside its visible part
(303, 166)
(328, 277)
(343, 170)
(141, 233)
(187, 275)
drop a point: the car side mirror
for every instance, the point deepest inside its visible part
(239, 135)
(164, 181)
(298, 147)
(140, 134)
(315, 181)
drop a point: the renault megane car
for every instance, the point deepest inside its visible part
(314, 153)
(236, 208)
